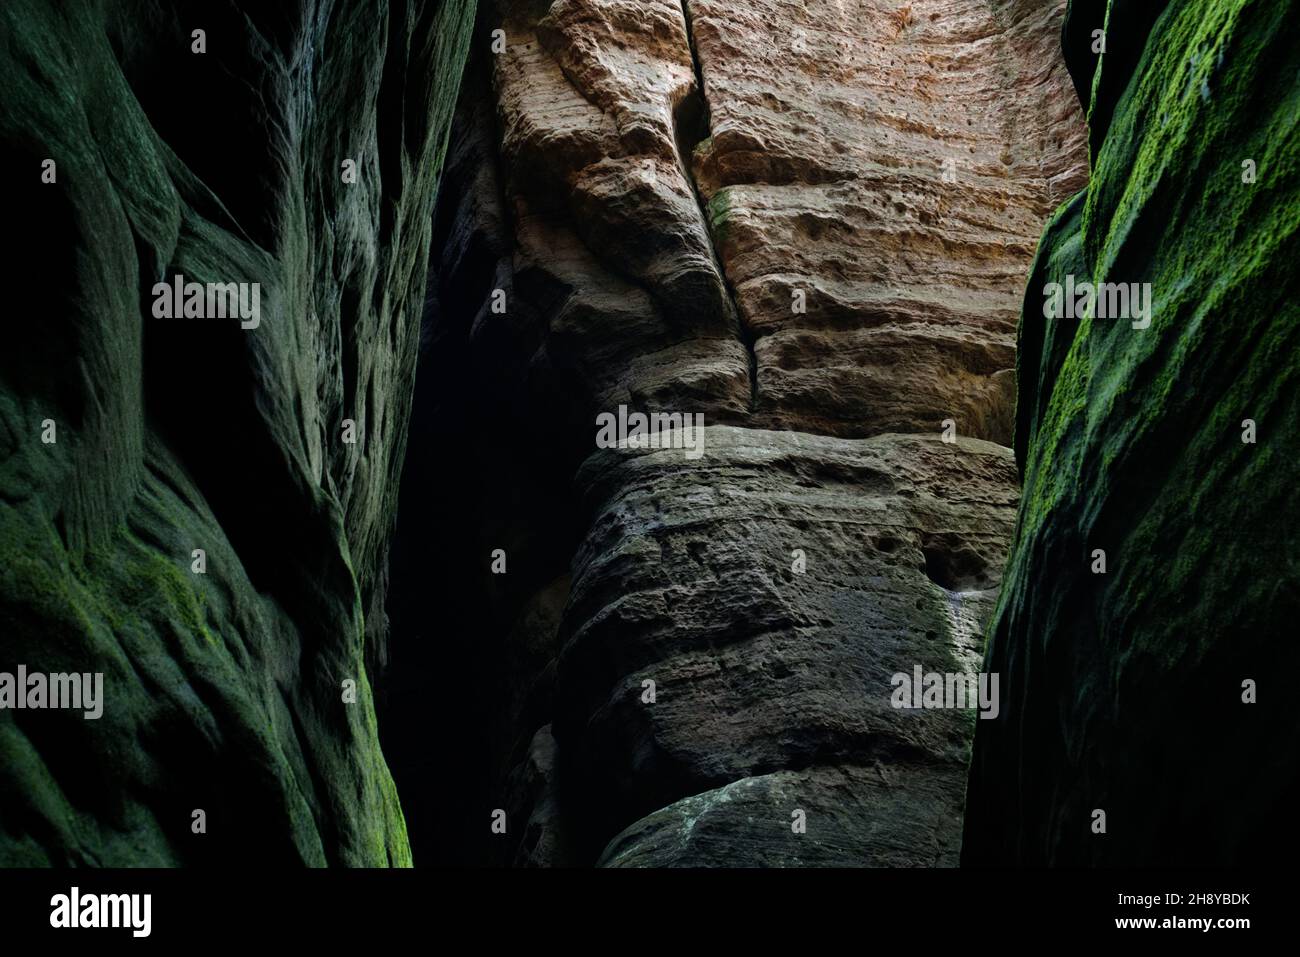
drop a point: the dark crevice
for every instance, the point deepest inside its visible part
(954, 565)
(692, 124)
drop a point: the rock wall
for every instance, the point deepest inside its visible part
(1148, 698)
(810, 223)
(129, 441)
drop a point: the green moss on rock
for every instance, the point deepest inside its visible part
(222, 691)
(1123, 690)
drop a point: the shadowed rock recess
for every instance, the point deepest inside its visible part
(810, 223)
(223, 691)
(1172, 449)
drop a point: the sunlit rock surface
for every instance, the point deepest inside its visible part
(810, 223)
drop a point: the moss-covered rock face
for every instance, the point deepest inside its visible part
(1126, 691)
(128, 442)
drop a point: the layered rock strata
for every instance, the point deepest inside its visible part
(809, 223)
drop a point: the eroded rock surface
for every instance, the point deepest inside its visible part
(1170, 448)
(810, 223)
(900, 814)
(223, 691)
(769, 592)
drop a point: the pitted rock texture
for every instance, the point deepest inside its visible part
(875, 175)
(223, 691)
(770, 591)
(806, 217)
(636, 193)
(1127, 692)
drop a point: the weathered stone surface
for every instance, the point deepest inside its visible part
(594, 104)
(832, 127)
(814, 160)
(648, 184)
(898, 814)
(770, 591)
(1124, 690)
(223, 691)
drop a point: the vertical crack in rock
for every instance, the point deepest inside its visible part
(1127, 686)
(693, 118)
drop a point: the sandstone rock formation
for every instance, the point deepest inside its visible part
(127, 442)
(810, 223)
(1171, 449)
